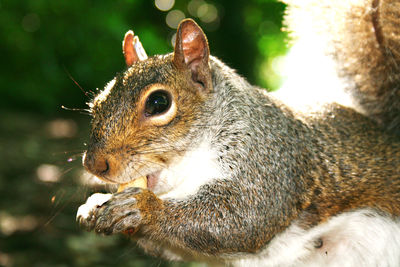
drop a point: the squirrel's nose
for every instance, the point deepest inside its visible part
(97, 164)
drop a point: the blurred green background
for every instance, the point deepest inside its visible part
(52, 52)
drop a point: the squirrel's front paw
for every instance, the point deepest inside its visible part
(123, 212)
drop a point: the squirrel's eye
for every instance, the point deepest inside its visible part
(157, 102)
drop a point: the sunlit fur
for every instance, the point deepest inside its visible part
(358, 238)
(361, 37)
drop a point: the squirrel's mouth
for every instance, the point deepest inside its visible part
(146, 182)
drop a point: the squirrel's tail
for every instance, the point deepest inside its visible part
(363, 37)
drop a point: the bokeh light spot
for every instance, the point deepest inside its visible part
(62, 128)
(173, 40)
(10, 224)
(164, 5)
(174, 17)
(207, 13)
(48, 173)
(194, 6)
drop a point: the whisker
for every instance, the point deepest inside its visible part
(151, 151)
(60, 209)
(66, 171)
(76, 83)
(151, 162)
(155, 163)
(80, 110)
(76, 153)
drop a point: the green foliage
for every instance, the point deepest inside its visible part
(43, 42)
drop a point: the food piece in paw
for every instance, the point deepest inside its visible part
(140, 182)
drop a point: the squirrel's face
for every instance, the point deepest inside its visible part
(143, 118)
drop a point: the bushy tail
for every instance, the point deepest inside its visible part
(363, 36)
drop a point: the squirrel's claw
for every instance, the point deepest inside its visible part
(124, 212)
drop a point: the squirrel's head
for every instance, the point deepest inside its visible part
(143, 117)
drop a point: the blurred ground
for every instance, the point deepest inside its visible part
(41, 189)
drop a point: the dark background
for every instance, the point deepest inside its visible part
(56, 53)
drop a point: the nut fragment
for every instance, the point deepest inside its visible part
(139, 182)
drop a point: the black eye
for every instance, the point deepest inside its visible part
(157, 102)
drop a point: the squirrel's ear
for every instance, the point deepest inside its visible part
(192, 52)
(132, 49)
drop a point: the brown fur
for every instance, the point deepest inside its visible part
(360, 166)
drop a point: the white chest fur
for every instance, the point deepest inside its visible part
(360, 238)
(185, 176)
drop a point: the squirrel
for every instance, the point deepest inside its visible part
(235, 176)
